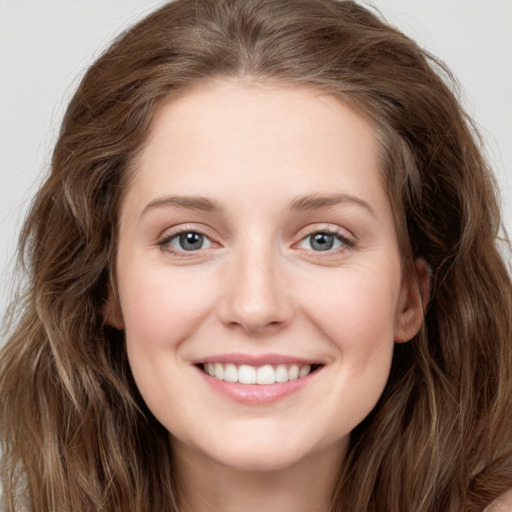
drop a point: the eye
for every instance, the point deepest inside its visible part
(324, 241)
(186, 241)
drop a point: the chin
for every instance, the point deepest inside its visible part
(271, 451)
(259, 460)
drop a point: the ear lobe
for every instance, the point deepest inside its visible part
(415, 295)
(111, 311)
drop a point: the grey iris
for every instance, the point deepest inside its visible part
(321, 241)
(191, 241)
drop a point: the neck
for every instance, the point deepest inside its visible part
(305, 486)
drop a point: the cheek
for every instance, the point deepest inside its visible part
(160, 309)
(357, 317)
(358, 313)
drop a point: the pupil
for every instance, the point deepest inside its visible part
(191, 241)
(322, 241)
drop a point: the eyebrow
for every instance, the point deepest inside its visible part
(187, 202)
(316, 201)
(302, 203)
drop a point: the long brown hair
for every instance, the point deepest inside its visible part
(75, 433)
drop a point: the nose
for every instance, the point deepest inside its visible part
(255, 296)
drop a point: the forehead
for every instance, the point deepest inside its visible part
(238, 135)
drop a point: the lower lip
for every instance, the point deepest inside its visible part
(254, 394)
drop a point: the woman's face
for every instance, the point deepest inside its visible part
(257, 243)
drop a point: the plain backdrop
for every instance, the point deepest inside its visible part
(45, 46)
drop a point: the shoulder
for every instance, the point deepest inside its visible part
(502, 504)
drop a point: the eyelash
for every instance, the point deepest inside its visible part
(345, 242)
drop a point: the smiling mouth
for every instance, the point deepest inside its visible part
(263, 375)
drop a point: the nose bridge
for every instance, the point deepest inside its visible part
(255, 297)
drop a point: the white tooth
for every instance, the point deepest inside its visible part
(281, 373)
(219, 371)
(304, 370)
(210, 369)
(293, 372)
(231, 373)
(247, 374)
(265, 375)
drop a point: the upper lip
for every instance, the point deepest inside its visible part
(255, 359)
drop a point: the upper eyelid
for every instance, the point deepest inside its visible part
(326, 228)
(174, 231)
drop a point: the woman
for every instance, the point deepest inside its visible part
(259, 277)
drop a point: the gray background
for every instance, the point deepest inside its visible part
(46, 45)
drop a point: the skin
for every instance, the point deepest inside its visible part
(502, 504)
(258, 286)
